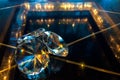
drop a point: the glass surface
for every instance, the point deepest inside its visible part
(62, 22)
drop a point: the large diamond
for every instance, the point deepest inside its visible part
(32, 51)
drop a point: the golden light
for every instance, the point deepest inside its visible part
(67, 6)
(27, 6)
(9, 61)
(85, 20)
(71, 5)
(61, 46)
(82, 65)
(79, 6)
(63, 6)
(88, 5)
(10, 57)
(49, 6)
(93, 34)
(78, 20)
(39, 56)
(95, 11)
(22, 51)
(65, 53)
(23, 17)
(42, 20)
(20, 33)
(5, 78)
(38, 6)
(99, 18)
(43, 52)
(118, 47)
(116, 56)
(50, 21)
(38, 21)
(111, 39)
(16, 35)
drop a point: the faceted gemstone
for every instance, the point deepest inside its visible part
(31, 55)
(33, 49)
(55, 44)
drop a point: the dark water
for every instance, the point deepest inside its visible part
(93, 51)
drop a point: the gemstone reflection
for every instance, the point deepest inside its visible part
(33, 49)
(55, 44)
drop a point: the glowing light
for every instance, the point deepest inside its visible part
(49, 21)
(20, 33)
(61, 46)
(22, 51)
(23, 17)
(27, 6)
(67, 6)
(9, 61)
(31, 63)
(59, 23)
(80, 6)
(118, 47)
(73, 25)
(87, 5)
(43, 52)
(38, 6)
(100, 19)
(111, 39)
(10, 57)
(56, 44)
(36, 46)
(48, 25)
(78, 40)
(90, 27)
(85, 20)
(16, 35)
(82, 65)
(5, 78)
(95, 11)
(42, 20)
(49, 6)
(78, 20)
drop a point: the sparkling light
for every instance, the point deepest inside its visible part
(49, 6)
(27, 6)
(100, 19)
(95, 11)
(32, 51)
(67, 6)
(38, 6)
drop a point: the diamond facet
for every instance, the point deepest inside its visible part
(32, 51)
